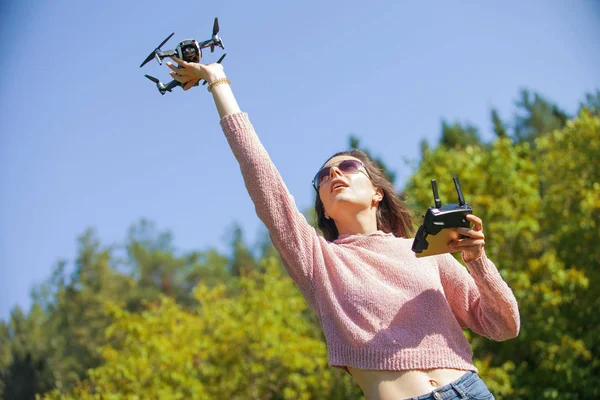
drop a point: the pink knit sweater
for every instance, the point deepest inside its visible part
(380, 307)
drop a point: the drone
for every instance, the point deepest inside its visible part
(188, 50)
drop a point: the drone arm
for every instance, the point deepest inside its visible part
(173, 84)
(162, 54)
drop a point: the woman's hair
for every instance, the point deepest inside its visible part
(392, 214)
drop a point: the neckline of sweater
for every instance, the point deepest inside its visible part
(351, 237)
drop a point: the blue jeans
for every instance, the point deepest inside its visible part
(468, 387)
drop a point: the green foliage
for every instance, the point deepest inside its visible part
(457, 135)
(592, 103)
(23, 351)
(158, 270)
(499, 126)
(242, 261)
(540, 205)
(537, 116)
(254, 345)
(69, 310)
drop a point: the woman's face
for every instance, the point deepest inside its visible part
(346, 190)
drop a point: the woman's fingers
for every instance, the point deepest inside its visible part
(188, 85)
(174, 68)
(470, 232)
(178, 77)
(466, 244)
(188, 74)
(179, 71)
(178, 61)
(477, 222)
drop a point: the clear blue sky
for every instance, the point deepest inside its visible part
(87, 141)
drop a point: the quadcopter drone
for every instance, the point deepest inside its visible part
(188, 50)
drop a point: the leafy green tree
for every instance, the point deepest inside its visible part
(77, 316)
(158, 269)
(242, 260)
(69, 308)
(251, 346)
(540, 206)
(537, 116)
(592, 103)
(461, 136)
(5, 356)
(24, 370)
(500, 128)
(570, 177)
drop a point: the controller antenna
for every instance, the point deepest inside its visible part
(461, 198)
(436, 196)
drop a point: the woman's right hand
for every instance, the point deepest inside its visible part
(188, 74)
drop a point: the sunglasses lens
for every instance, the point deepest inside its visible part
(323, 175)
(346, 166)
(349, 166)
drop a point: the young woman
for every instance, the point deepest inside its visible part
(393, 321)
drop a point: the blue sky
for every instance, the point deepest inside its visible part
(87, 141)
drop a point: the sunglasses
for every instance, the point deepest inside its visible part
(345, 166)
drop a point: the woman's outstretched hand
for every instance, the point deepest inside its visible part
(188, 74)
(472, 245)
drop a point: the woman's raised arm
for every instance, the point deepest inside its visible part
(291, 234)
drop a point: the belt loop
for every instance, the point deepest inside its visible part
(459, 390)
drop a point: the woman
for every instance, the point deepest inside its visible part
(393, 321)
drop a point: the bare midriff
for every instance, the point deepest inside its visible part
(394, 385)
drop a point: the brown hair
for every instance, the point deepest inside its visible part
(392, 213)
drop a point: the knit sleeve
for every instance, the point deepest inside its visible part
(479, 297)
(291, 234)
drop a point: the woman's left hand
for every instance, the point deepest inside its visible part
(189, 73)
(472, 245)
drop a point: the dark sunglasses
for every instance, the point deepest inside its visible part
(345, 166)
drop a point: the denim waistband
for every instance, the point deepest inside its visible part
(453, 389)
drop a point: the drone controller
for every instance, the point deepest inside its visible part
(433, 236)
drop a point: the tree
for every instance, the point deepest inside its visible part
(24, 369)
(461, 136)
(256, 339)
(499, 126)
(540, 206)
(242, 260)
(570, 177)
(537, 117)
(158, 269)
(592, 103)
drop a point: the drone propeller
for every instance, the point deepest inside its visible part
(153, 79)
(218, 62)
(221, 58)
(165, 41)
(216, 27)
(153, 54)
